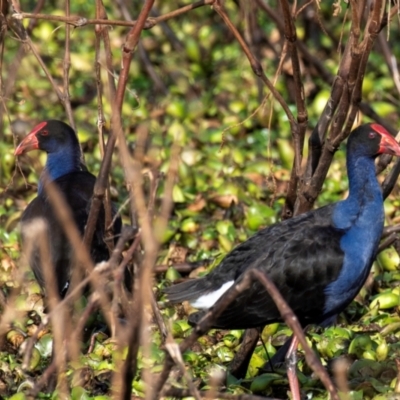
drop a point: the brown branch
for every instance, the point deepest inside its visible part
(117, 100)
(256, 65)
(22, 34)
(159, 319)
(37, 232)
(101, 182)
(318, 136)
(351, 73)
(176, 355)
(302, 116)
(84, 261)
(239, 365)
(119, 277)
(79, 326)
(314, 61)
(340, 370)
(388, 241)
(362, 53)
(291, 320)
(387, 230)
(390, 59)
(320, 156)
(181, 393)
(155, 177)
(98, 29)
(13, 69)
(101, 185)
(212, 315)
(142, 291)
(72, 294)
(66, 68)
(253, 34)
(79, 21)
(3, 31)
(391, 179)
(394, 11)
(44, 380)
(202, 327)
(122, 380)
(158, 83)
(127, 370)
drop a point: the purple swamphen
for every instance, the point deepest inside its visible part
(65, 169)
(318, 260)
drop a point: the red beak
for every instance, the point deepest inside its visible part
(388, 143)
(389, 146)
(31, 141)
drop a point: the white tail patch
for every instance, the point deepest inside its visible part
(208, 300)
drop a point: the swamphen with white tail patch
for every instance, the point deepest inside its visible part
(65, 169)
(318, 260)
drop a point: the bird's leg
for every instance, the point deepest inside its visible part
(291, 363)
(240, 363)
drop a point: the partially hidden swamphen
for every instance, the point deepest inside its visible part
(318, 260)
(65, 169)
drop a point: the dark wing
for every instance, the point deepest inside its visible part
(77, 188)
(58, 245)
(301, 269)
(301, 256)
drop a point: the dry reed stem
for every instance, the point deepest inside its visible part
(79, 21)
(348, 79)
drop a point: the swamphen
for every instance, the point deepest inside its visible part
(318, 260)
(65, 168)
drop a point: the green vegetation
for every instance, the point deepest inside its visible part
(235, 159)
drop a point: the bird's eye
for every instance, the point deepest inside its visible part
(44, 133)
(372, 135)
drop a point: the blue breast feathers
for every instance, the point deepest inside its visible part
(65, 160)
(361, 216)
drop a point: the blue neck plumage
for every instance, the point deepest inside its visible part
(365, 195)
(361, 216)
(61, 162)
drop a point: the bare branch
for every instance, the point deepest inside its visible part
(67, 65)
(79, 21)
(255, 64)
(287, 315)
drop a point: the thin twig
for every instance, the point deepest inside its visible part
(66, 68)
(202, 327)
(293, 323)
(255, 64)
(38, 233)
(388, 241)
(287, 315)
(63, 214)
(123, 379)
(79, 21)
(350, 75)
(174, 352)
(22, 34)
(387, 230)
(44, 379)
(302, 116)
